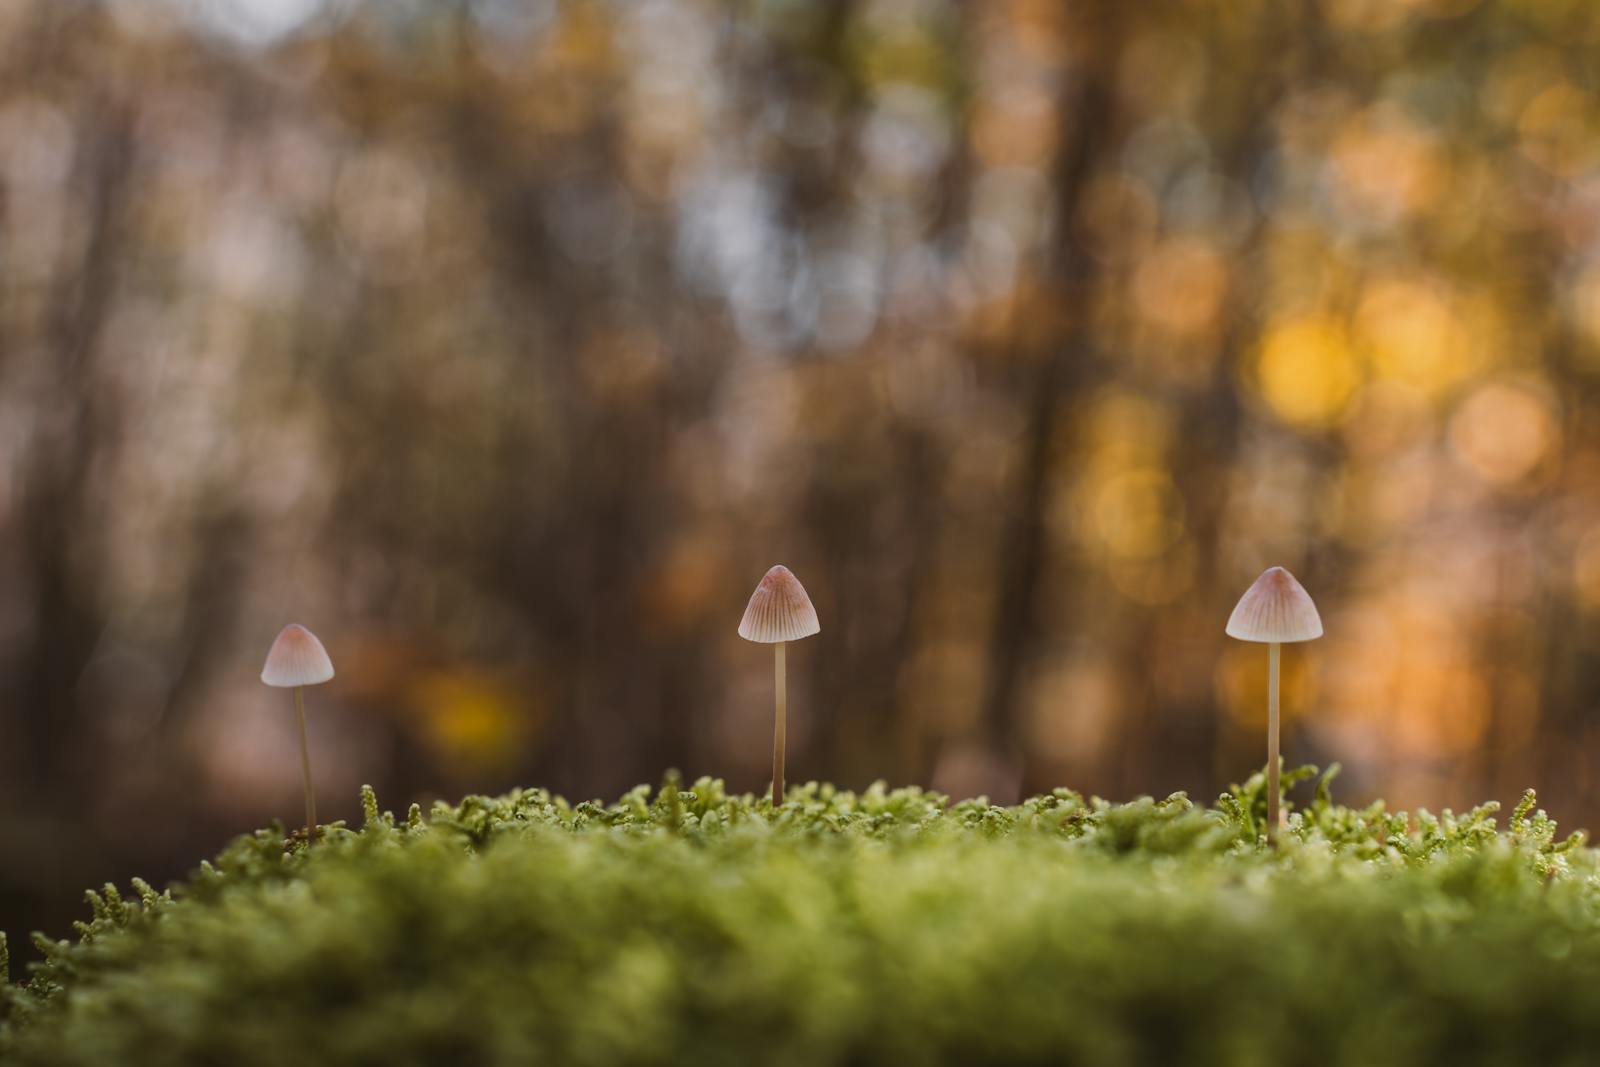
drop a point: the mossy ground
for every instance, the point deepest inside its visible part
(686, 926)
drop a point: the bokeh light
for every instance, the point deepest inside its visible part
(506, 343)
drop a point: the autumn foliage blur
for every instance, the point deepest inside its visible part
(506, 343)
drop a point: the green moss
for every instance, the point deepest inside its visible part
(691, 927)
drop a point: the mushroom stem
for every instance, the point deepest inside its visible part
(1272, 742)
(305, 765)
(781, 685)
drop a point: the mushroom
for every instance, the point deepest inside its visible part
(296, 660)
(779, 612)
(1274, 610)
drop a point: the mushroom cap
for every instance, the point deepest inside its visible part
(1275, 610)
(779, 610)
(296, 658)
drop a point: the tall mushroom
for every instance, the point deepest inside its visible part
(1275, 610)
(296, 660)
(779, 612)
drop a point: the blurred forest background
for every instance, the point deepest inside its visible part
(506, 343)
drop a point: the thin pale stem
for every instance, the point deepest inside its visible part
(1272, 742)
(305, 765)
(781, 685)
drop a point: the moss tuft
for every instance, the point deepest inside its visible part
(685, 925)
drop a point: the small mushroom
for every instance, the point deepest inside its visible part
(1273, 611)
(779, 612)
(296, 660)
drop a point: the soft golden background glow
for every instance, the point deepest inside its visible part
(506, 343)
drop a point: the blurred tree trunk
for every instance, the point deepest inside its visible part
(1210, 417)
(1087, 120)
(59, 525)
